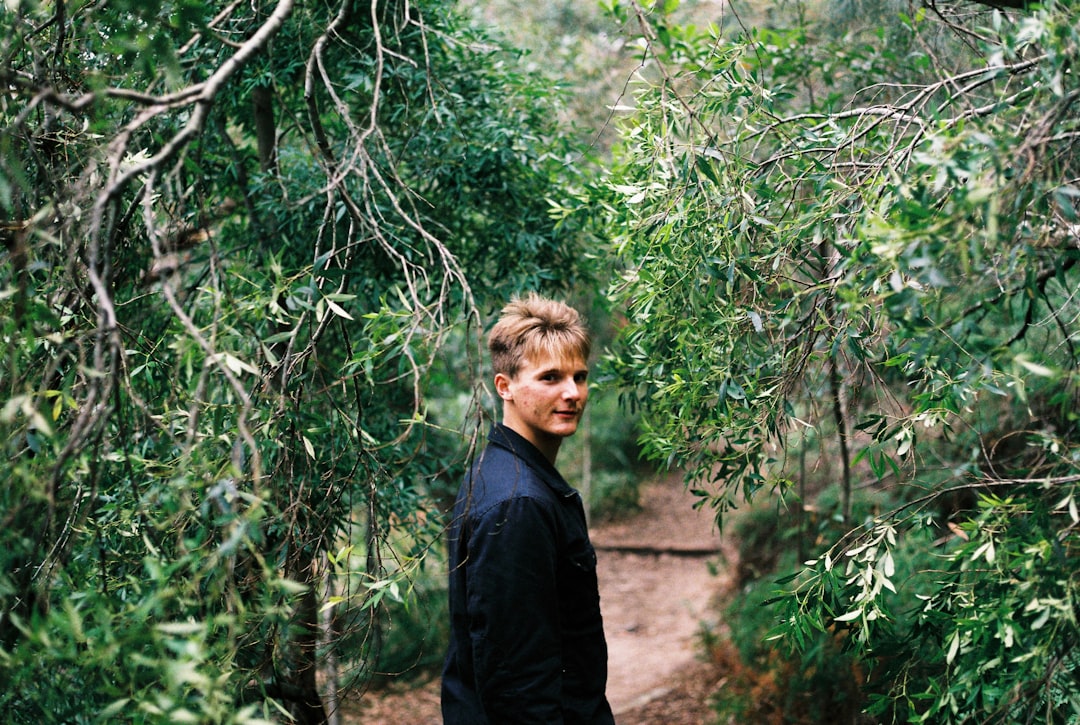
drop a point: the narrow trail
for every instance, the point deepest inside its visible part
(657, 591)
(657, 585)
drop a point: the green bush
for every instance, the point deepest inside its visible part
(774, 682)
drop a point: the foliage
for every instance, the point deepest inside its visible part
(247, 249)
(575, 45)
(862, 236)
(817, 683)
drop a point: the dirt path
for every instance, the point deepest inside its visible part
(655, 592)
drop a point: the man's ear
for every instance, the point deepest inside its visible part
(502, 386)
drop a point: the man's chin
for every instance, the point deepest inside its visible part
(566, 431)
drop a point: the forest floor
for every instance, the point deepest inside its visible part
(661, 572)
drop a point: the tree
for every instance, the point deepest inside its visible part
(864, 235)
(241, 241)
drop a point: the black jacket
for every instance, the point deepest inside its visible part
(526, 642)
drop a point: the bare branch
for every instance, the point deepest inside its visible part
(207, 91)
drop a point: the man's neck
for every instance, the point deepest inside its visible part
(547, 445)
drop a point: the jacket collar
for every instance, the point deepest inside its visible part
(510, 440)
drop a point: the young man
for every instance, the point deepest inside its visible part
(527, 641)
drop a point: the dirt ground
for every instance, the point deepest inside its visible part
(659, 571)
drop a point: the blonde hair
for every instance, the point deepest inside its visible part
(532, 325)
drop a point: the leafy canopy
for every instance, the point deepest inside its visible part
(864, 241)
(247, 250)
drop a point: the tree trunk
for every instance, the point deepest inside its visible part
(307, 705)
(262, 101)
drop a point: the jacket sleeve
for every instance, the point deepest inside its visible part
(513, 611)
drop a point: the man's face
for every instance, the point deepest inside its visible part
(543, 403)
